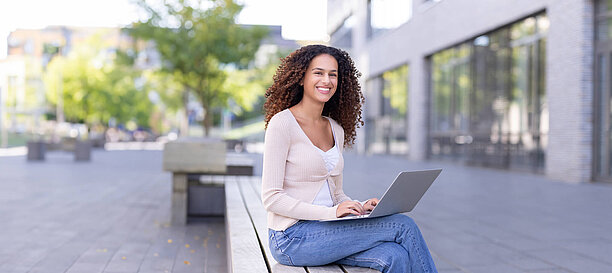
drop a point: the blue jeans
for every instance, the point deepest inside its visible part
(389, 244)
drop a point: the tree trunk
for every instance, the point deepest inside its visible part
(184, 122)
(207, 122)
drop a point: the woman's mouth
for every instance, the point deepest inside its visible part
(323, 90)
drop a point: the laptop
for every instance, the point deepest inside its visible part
(402, 196)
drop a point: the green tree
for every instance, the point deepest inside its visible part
(97, 84)
(198, 41)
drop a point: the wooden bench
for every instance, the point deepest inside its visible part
(247, 232)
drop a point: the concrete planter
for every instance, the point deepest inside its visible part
(82, 150)
(36, 150)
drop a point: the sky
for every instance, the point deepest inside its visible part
(308, 24)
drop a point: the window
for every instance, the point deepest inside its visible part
(387, 123)
(489, 99)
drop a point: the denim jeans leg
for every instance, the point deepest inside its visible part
(388, 257)
(311, 243)
(278, 242)
(412, 240)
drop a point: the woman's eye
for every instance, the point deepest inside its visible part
(318, 73)
(332, 75)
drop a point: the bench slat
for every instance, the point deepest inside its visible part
(256, 185)
(244, 253)
(325, 269)
(258, 216)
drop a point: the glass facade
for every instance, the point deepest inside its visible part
(488, 98)
(602, 150)
(386, 120)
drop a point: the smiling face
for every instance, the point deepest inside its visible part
(321, 79)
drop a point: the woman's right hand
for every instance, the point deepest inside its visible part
(349, 207)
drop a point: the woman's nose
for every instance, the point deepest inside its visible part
(326, 78)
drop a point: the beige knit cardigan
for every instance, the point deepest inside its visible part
(294, 171)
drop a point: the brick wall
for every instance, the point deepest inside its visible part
(570, 90)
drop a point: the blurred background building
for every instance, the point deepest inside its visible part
(24, 107)
(513, 84)
(27, 113)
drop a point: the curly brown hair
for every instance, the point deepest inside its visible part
(344, 106)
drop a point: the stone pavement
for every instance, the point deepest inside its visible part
(108, 215)
(486, 220)
(112, 214)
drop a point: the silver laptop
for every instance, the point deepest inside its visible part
(402, 196)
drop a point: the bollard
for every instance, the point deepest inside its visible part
(82, 150)
(36, 150)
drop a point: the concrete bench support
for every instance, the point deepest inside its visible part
(190, 156)
(179, 198)
(205, 198)
(193, 162)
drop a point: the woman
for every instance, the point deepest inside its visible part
(312, 110)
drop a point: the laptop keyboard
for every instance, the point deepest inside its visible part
(358, 216)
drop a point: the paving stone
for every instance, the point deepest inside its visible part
(556, 254)
(127, 258)
(441, 264)
(585, 265)
(467, 256)
(597, 248)
(497, 268)
(530, 264)
(86, 268)
(554, 270)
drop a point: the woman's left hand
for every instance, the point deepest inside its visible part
(370, 204)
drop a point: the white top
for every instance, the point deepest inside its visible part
(330, 157)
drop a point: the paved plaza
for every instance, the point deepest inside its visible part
(108, 215)
(112, 215)
(486, 220)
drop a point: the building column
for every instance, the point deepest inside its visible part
(360, 56)
(418, 108)
(569, 90)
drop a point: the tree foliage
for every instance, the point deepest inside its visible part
(199, 42)
(249, 85)
(97, 84)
